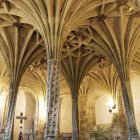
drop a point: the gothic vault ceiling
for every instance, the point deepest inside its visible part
(84, 34)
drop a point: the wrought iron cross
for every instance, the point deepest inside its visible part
(21, 117)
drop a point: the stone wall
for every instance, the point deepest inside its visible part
(135, 82)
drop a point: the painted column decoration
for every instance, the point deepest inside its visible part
(11, 112)
(75, 119)
(51, 130)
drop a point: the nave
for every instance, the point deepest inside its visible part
(69, 69)
(97, 118)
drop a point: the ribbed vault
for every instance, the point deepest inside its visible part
(98, 38)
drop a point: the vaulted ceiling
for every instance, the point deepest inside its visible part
(86, 35)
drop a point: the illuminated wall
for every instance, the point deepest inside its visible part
(66, 114)
(135, 83)
(102, 110)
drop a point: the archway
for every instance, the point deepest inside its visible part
(26, 104)
(30, 111)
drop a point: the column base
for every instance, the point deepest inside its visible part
(50, 138)
(6, 139)
(133, 138)
(6, 136)
(75, 138)
(133, 134)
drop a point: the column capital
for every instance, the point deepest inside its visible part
(53, 60)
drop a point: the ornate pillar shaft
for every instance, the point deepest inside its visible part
(11, 113)
(51, 130)
(75, 120)
(122, 116)
(128, 104)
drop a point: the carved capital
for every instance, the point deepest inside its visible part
(53, 61)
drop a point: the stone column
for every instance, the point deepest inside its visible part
(53, 95)
(11, 113)
(128, 104)
(122, 116)
(75, 120)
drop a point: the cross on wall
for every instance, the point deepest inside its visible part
(21, 118)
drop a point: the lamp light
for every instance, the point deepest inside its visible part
(112, 105)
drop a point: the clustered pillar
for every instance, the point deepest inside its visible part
(11, 112)
(75, 119)
(51, 130)
(53, 84)
(128, 104)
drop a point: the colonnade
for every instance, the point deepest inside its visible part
(53, 95)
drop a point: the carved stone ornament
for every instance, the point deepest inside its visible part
(11, 113)
(51, 130)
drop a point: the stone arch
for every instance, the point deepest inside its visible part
(27, 103)
(30, 112)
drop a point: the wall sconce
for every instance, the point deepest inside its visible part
(112, 105)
